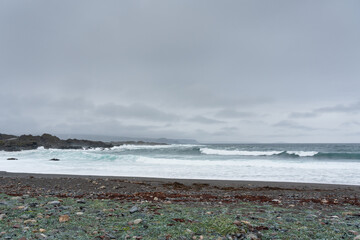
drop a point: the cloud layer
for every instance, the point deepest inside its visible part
(235, 71)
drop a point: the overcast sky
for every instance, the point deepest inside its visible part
(215, 71)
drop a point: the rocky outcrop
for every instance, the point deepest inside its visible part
(28, 142)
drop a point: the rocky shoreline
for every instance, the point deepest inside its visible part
(29, 142)
(47, 206)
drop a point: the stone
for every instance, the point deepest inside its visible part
(25, 216)
(64, 218)
(54, 203)
(276, 201)
(42, 230)
(30, 221)
(134, 209)
(15, 198)
(12, 159)
(137, 221)
(54, 159)
(81, 201)
(79, 213)
(2, 216)
(252, 236)
(156, 199)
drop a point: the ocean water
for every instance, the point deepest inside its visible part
(311, 163)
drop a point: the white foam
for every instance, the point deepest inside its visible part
(211, 151)
(137, 147)
(303, 153)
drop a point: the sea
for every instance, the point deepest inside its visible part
(308, 163)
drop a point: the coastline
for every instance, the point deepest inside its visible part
(179, 190)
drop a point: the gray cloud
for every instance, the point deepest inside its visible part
(135, 111)
(204, 120)
(292, 125)
(351, 109)
(230, 113)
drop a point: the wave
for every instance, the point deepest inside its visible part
(210, 151)
(313, 154)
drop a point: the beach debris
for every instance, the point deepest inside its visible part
(64, 218)
(42, 230)
(54, 159)
(12, 159)
(102, 187)
(79, 213)
(156, 198)
(134, 209)
(137, 221)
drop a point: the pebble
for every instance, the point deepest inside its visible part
(137, 221)
(25, 216)
(134, 209)
(64, 218)
(2, 216)
(252, 236)
(15, 198)
(30, 221)
(43, 235)
(156, 199)
(81, 201)
(276, 201)
(3, 203)
(54, 203)
(102, 187)
(79, 213)
(42, 230)
(188, 231)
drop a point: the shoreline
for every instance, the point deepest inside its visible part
(221, 182)
(177, 190)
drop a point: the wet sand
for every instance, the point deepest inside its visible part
(177, 190)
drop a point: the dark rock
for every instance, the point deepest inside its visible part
(54, 159)
(81, 201)
(134, 209)
(29, 142)
(12, 159)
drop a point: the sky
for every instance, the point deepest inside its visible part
(214, 71)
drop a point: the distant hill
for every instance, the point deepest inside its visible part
(128, 139)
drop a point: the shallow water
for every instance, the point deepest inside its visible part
(315, 163)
